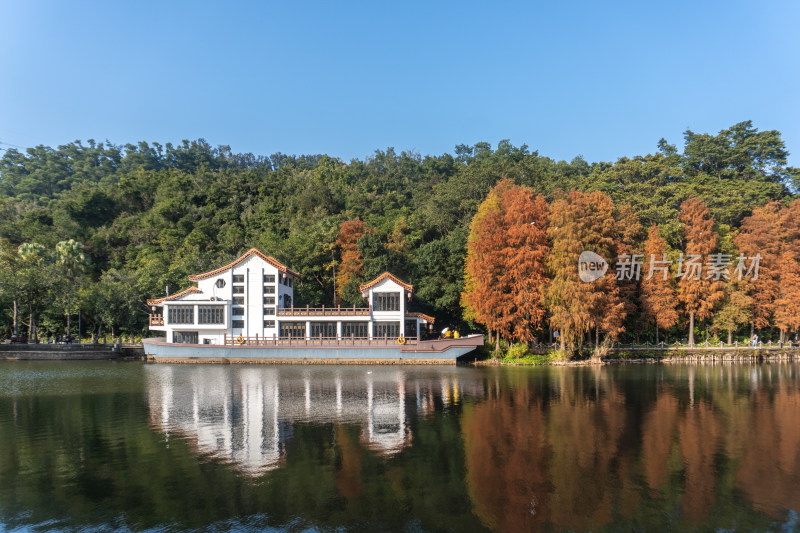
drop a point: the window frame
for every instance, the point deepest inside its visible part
(216, 314)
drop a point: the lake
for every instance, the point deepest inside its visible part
(135, 446)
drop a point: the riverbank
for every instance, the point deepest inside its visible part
(668, 355)
(70, 352)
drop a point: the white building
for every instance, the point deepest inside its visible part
(251, 300)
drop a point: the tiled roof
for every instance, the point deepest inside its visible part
(386, 275)
(252, 251)
(427, 318)
(184, 292)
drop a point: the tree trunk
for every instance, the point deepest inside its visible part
(563, 343)
(32, 327)
(656, 333)
(596, 336)
(16, 324)
(69, 311)
(691, 329)
(730, 335)
(497, 345)
(782, 337)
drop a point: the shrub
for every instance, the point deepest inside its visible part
(518, 350)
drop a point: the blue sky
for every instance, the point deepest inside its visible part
(601, 79)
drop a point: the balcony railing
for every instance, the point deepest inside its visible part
(323, 311)
(156, 320)
(318, 341)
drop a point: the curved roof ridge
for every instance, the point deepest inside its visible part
(386, 275)
(427, 318)
(184, 292)
(252, 251)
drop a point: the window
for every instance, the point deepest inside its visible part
(269, 278)
(386, 301)
(184, 337)
(289, 281)
(237, 324)
(220, 283)
(238, 289)
(269, 311)
(238, 300)
(354, 329)
(211, 314)
(294, 330)
(269, 300)
(323, 329)
(287, 300)
(181, 314)
(237, 311)
(411, 328)
(238, 278)
(269, 289)
(389, 330)
(269, 324)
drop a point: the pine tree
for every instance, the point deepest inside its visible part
(787, 306)
(481, 268)
(759, 235)
(582, 222)
(735, 309)
(505, 275)
(698, 294)
(525, 221)
(659, 301)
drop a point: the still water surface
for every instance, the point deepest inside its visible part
(131, 446)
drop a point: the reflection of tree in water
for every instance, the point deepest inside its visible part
(654, 447)
(669, 447)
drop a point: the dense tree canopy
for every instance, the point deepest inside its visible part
(148, 215)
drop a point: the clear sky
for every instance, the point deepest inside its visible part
(601, 79)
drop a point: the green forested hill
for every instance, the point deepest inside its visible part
(149, 215)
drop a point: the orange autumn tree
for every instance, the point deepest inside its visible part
(525, 216)
(481, 268)
(505, 273)
(583, 222)
(760, 235)
(698, 294)
(659, 301)
(787, 305)
(627, 243)
(351, 265)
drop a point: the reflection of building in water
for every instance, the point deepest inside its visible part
(246, 414)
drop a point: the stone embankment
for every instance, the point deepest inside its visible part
(70, 352)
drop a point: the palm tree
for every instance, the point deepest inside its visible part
(72, 260)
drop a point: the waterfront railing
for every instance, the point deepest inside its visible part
(324, 311)
(318, 341)
(706, 345)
